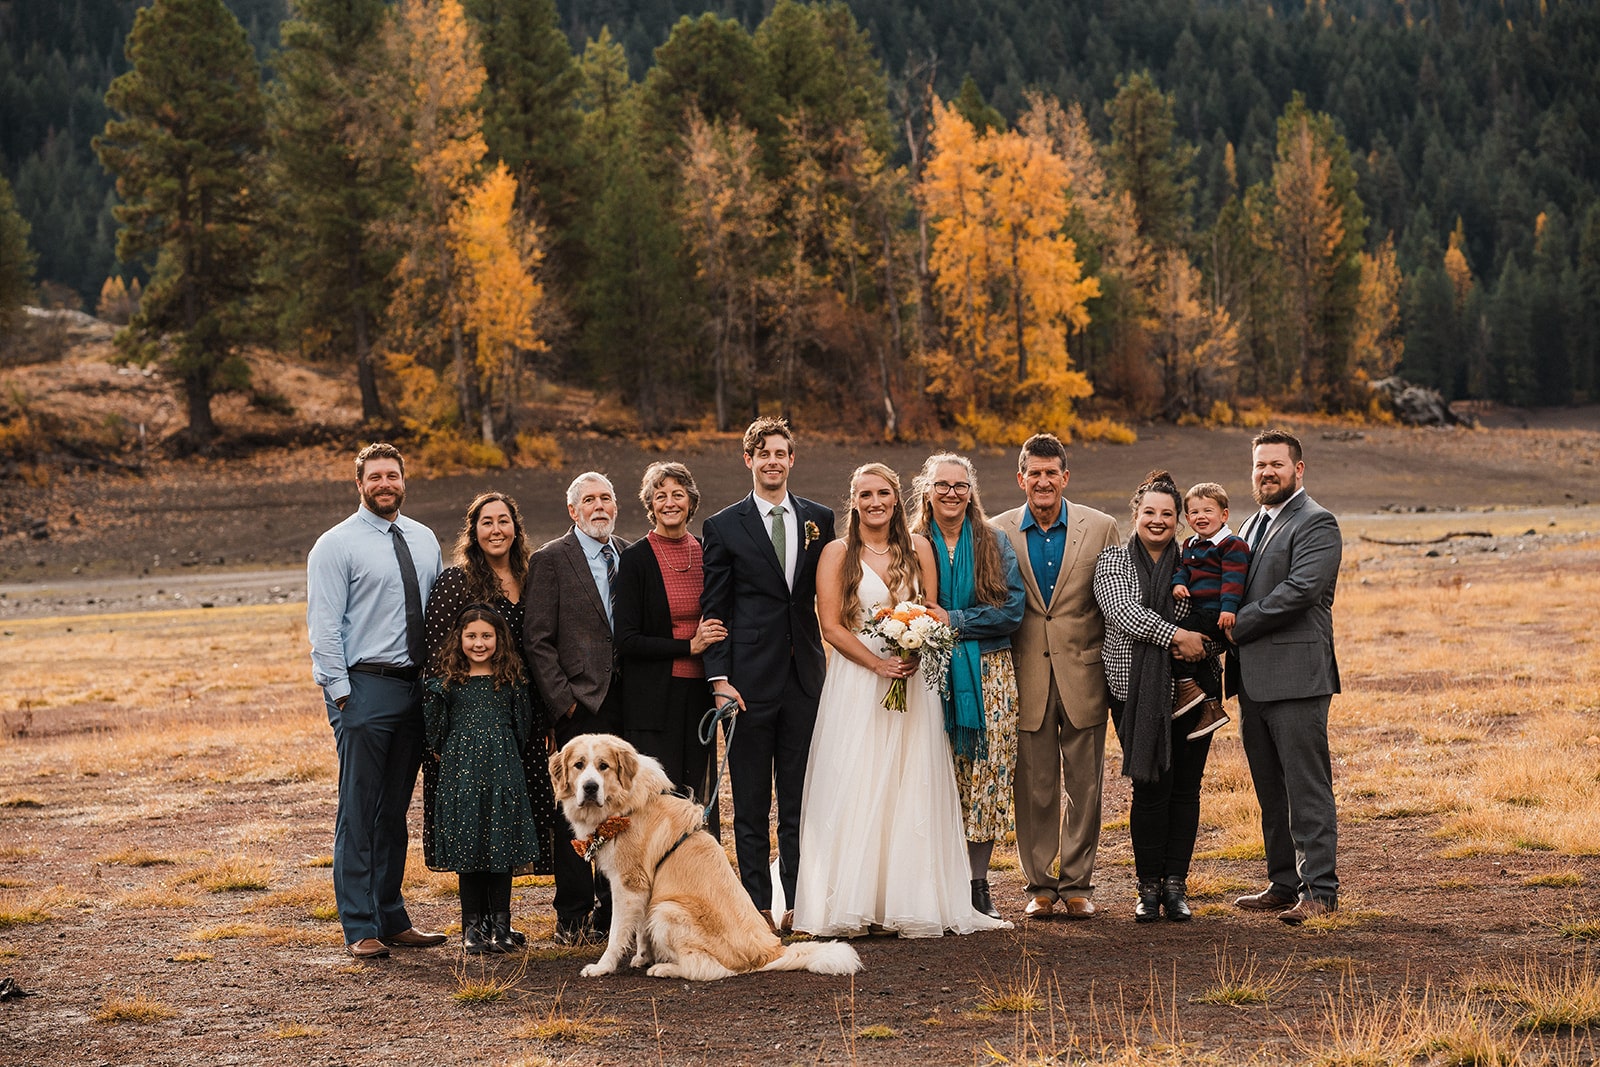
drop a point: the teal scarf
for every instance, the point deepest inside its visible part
(963, 707)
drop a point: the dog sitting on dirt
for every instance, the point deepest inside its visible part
(676, 901)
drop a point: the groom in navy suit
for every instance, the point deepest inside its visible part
(761, 581)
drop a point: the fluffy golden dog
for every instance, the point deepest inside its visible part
(676, 901)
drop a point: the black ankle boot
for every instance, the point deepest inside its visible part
(1175, 899)
(500, 932)
(1148, 909)
(474, 938)
(982, 900)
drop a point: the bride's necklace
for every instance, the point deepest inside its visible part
(875, 551)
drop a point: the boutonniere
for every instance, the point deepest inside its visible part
(812, 533)
(586, 847)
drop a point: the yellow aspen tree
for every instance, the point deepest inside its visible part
(1195, 339)
(430, 110)
(1377, 343)
(497, 255)
(1010, 281)
(726, 213)
(1308, 230)
(1456, 266)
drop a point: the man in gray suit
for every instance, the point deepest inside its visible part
(1285, 675)
(566, 634)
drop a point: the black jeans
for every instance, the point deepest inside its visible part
(1165, 817)
(1202, 620)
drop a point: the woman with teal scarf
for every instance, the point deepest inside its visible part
(981, 591)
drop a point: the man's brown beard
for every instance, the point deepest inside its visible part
(366, 498)
(1283, 492)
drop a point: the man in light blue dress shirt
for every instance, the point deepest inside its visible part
(364, 618)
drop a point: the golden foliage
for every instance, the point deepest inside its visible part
(1378, 344)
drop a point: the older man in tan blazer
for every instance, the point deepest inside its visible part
(1063, 701)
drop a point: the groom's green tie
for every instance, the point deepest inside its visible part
(780, 540)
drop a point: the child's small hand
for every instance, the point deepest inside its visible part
(1181, 592)
(1225, 623)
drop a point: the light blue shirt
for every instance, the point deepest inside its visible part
(355, 602)
(597, 567)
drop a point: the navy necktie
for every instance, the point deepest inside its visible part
(1259, 533)
(415, 646)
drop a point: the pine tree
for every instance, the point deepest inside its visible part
(186, 155)
(328, 272)
(1144, 160)
(16, 261)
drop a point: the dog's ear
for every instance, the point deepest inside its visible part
(558, 774)
(627, 766)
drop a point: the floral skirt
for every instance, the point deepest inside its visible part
(985, 785)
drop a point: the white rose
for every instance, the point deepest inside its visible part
(893, 628)
(911, 641)
(906, 607)
(924, 624)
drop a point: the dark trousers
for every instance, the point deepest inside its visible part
(379, 738)
(1203, 620)
(771, 742)
(580, 889)
(673, 737)
(1286, 744)
(1165, 816)
(485, 892)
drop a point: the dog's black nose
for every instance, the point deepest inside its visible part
(591, 788)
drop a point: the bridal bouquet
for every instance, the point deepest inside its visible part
(909, 630)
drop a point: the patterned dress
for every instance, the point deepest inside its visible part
(985, 785)
(482, 818)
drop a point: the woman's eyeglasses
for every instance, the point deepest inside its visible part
(952, 488)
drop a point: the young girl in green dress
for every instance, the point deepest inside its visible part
(479, 714)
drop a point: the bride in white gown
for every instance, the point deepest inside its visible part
(881, 841)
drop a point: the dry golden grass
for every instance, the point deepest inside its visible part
(291, 1031)
(191, 957)
(877, 1032)
(18, 909)
(135, 1009)
(1017, 994)
(481, 984)
(1245, 981)
(136, 857)
(229, 874)
(555, 1023)
(312, 899)
(156, 897)
(1553, 996)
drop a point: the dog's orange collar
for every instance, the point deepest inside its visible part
(588, 846)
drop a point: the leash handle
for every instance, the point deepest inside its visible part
(726, 711)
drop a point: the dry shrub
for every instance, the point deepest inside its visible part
(229, 874)
(555, 1023)
(136, 857)
(1246, 981)
(17, 909)
(135, 1009)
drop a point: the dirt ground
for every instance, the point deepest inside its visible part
(231, 537)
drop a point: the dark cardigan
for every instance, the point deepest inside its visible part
(644, 641)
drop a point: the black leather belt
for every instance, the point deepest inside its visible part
(386, 670)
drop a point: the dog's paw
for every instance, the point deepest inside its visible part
(640, 960)
(597, 970)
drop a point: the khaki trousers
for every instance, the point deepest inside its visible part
(1055, 760)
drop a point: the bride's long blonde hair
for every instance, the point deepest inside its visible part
(904, 573)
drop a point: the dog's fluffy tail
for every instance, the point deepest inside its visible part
(818, 957)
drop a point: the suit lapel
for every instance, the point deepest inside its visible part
(1077, 523)
(585, 577)
(762, 537)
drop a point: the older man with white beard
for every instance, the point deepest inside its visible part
(567, 635)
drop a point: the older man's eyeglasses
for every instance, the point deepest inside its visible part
(952, 488)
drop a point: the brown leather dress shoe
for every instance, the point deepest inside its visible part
(766, 914)
(414, 938)
(787, 926)
(1040, 906)
(1308, 908)
(1079, 908)
(368, 948)
(1266, 900)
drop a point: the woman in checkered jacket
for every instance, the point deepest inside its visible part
(1133, 586)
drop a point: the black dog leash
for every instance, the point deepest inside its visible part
(727, 711)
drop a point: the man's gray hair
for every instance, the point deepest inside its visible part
(575, 490)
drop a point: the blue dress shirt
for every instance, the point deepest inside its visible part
(355, 602)
(597, 567)
(1046, 547)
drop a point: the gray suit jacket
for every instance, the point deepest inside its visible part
(564, 630)
(1284, 627)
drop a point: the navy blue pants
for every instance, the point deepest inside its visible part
(379, 737)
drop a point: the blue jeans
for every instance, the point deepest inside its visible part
(379, 737)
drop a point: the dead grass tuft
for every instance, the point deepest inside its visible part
(878, 1032)
(190, 957)
(582, 1025)
(485, 987)
(1244, 982)
(17, 909)
(136, 857)
(156, 897)
(136, 1009)
(312, 899)
(291, 1031)
(1553, 996)
(20, 801)
(1555, 879)
(1017, 994)
(230, 874)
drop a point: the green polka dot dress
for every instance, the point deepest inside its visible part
(482, 818)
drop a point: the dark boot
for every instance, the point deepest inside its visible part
(474, 938)
(981, 898)
(500, 932)
(1148, 909)
(1175, 899)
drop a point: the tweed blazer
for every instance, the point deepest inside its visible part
(1284, 627)
(1060, 641)
(565, 634)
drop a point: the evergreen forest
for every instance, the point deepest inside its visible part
(912, 216)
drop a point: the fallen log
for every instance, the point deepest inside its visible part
(1433, 541)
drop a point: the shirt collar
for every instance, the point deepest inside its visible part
(766, 509)
(1221, 535)
(1277, 509)
(374, 520)
(590, 546)
(1029, 521)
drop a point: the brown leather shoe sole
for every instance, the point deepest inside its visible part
(414, 938)
(368, 948)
